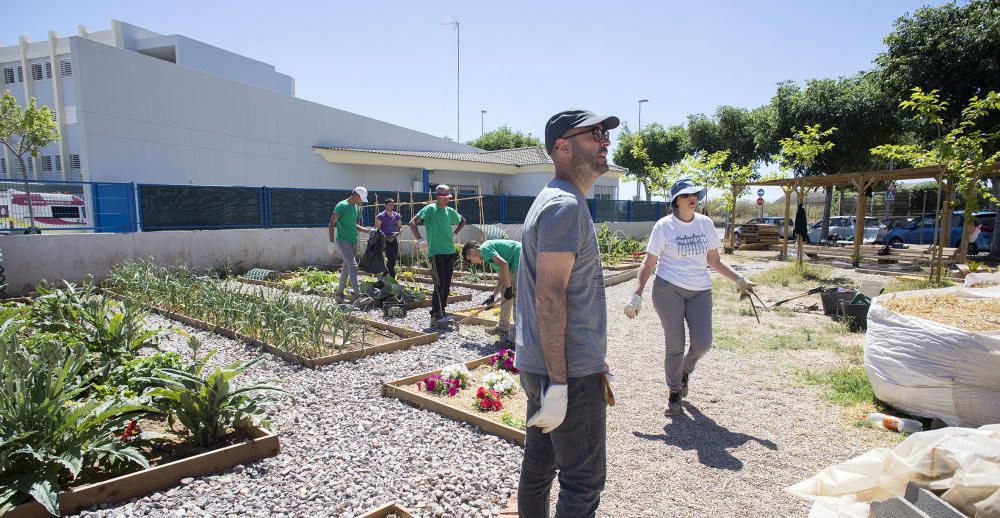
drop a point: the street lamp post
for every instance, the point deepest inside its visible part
(482, 122)
(638, 184)
(458, 77)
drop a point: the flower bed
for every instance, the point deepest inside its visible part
(392, 510)
(484, 392)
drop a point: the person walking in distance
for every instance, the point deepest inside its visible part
(389, 223)
(343, 229)
(561, 326)
(438, 219)
(681, 245)
(504, 257)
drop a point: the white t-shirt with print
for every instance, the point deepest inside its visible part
(682, 249)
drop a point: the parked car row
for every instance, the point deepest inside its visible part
(894, 231)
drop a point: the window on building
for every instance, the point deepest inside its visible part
(17, 167)
(58, 162)
(8, 76)
(20, 74)
(66, 67)
(46, 163)
(605, 192)
(74, 162)
(37, 72)
(3, 166)
(462, 190)
(48, 70)
(64, 212)
(31, 165)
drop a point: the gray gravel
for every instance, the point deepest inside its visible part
(345, 448)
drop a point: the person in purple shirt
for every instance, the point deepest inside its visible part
(388, 222)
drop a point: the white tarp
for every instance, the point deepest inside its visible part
(934, 370)
(963, 462)
(982, 279)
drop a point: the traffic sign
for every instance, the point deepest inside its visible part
(760, 192)
(890, 195)
(760, 201)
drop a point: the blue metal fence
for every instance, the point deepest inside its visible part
(127, 207)
(33, 206)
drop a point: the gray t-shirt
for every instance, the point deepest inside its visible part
(559, 221)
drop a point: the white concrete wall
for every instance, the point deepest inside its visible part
(147, 120)
(56, 257)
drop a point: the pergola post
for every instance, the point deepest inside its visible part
(859, 224)
(784, 241)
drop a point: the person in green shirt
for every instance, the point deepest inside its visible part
(344, 227)
(504, 257)
(438, 220)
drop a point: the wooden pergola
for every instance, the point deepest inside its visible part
(862, 181)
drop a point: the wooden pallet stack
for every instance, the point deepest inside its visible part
(754, 234)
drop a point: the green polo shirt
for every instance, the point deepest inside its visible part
(347, 223)
(507, 249)
(438, 223)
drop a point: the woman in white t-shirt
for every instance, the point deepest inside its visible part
(680, 248)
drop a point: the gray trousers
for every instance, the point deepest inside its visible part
(577, 448)
(674, 305)
(349, 252)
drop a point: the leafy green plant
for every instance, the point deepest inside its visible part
(209, 406)
(618, 247)
(127, 380)
(47, 436)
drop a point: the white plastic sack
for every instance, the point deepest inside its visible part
(977, 279)
(963, 461)
(934, 370)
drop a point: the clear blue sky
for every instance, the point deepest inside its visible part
(521, 61)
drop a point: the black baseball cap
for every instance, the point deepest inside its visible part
(562, 122)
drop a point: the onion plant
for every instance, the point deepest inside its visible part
(290, 324)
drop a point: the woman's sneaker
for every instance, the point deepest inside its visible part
(684, 389)
(673, 405)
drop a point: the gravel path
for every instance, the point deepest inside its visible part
(345, 448)
(748, 431)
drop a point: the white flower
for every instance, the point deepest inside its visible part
(456, 372)
(500, 381)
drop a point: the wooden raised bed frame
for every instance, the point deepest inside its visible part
(412, 338)
(398, 390)
(261, 445)
(386, 510)
(618, 278)
(412, 304)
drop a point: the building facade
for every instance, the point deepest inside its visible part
(133, 105)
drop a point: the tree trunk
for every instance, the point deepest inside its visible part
(971, 199)
(827, 205)
(995, 245)
(27, 192)
(645, 187)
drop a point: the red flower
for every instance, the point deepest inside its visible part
(481, 393)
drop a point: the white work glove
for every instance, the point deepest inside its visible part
(553, 410)
(331, 249)
(633, 306)
(745, 285)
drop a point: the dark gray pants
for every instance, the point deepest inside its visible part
(576, 448)
(674, 305)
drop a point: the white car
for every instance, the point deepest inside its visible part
(842, 229)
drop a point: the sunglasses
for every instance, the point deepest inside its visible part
(688, 195)
(598, 134)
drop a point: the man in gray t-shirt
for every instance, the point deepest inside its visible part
(562, 325)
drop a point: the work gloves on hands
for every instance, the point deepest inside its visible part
(490, 300)
(508, 293)
(553, 410)
(331, 249)
(745, 285)
(633, 306)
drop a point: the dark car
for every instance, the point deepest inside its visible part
(896, 221)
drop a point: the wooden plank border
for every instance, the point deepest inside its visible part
(262, 444)
(412, 304)
(411, 338)
(385, 510)
(612, 280)
(398, 390)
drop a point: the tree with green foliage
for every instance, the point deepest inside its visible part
(963, 151)
(647, 152)
(26, 132)
(732, 129)
(953, 49)
(504, 138)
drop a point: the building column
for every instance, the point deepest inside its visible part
(60, 109)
